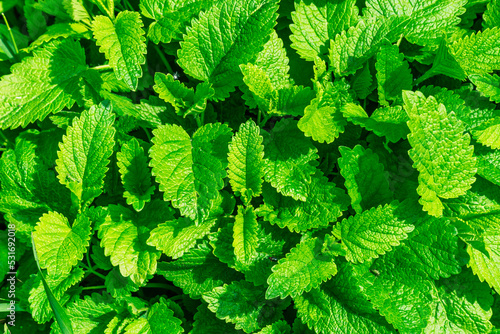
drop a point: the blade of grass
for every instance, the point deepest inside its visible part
(59, 313)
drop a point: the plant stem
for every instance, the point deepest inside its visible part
(177, 297)
(198, 121)
(11, 34)
(95, 287)
(259, 115)
(127, 4)
(163, 59)
(101, 67)
(91, 269)
(400, 39)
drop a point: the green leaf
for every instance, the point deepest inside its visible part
(301, 270)
(259, 84)
(236, 31)
(43, 84)
(374, 232)
(464, 306)
(190, 171)
(325, 313)
(389, 122)
(472, 113)
(135, 174)
(393, 73)
(443, 63)
(428, 20)
(5, 5)
(38, 301)
(123, 236)
(117, 285)
(487, 267)
(245, 235)
(183, 99)
(245, 158)
(481, 45)
(401, 293)
(487, 84)
(123, 44)
(176, 237)
(488, 163)
(60, 30)
(274, 61)
(29, 188)
(491, 16)
(90, 314)
(281, 327)
(289, 159)
(160, 319)
(198, 271)
(171, 18)
(349, 50)
(60, 245)
(322, 119)
(47, 295)
(244, 305)
(76, 10)
(317, 22)
(488, 133)
(434, 244)
(84, 152)
(325, 203)
(205, 322)
(435, 134)
(365, 178)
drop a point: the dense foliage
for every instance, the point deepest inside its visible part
(250, 166)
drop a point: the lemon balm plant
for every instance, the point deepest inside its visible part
(250, 166)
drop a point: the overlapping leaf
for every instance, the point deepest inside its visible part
(374, 232)
(317, 22)
(123, 236)
(171, 18)
(246, 161)
(288, 160)
(365, 179)
(123, 44)
(190, 171)
(393, 73)
(135, 174)
(61, 245)
(436, 134)
(301, 270)
(237, 30)
(84, 152)
(43, 84)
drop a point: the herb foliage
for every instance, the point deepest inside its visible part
(255, 166)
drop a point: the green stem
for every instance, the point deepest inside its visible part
(162, 57)
(259, 116)
(177, 297)
(400, 39)
(264, 121)
(11, 34)
(101, 67)
(198, 121)
(91, 269)
(127, 4)
(95, 287)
